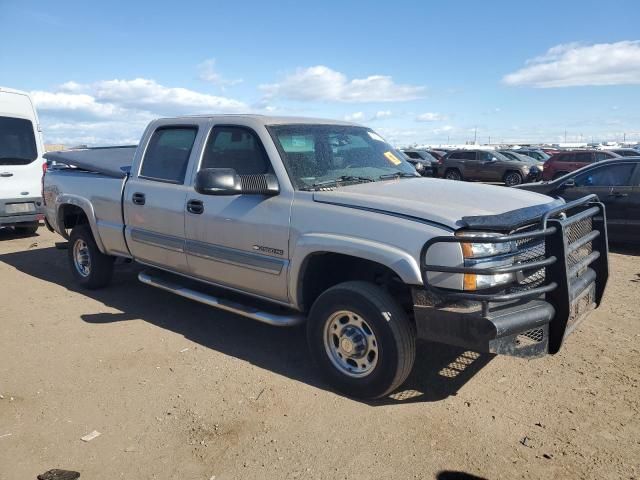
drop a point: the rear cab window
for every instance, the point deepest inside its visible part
(167, 154)
(17, 141)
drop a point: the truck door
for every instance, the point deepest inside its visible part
(239, 241)
(155, 195)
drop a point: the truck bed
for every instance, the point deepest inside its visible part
(111, 161)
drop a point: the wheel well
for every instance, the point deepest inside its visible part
(72, 215)
(324, 270)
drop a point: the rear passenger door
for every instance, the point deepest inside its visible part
(239, 241)
(154, 197)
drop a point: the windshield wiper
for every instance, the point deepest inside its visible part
(336, 181)
(390, 176)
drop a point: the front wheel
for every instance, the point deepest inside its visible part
(511, 179)
(361, 339)
(90, 267)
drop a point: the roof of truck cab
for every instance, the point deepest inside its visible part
(273, 120)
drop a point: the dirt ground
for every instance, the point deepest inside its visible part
(181, 391)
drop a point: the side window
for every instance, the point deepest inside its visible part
(486, 156)
(238, 148)
(167, 154)
(610, 176)
(412, 155)
(602, 156)
(469, 155)
(584, 157)
(456, 156)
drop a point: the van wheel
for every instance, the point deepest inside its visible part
(361, 339)
(26, 228)
(453, 174)
(512, 179)
(90, 267)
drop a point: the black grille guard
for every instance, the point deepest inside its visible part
(566, 278)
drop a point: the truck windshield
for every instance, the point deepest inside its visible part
(17, 141)
(322, 155)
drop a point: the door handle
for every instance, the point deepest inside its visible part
(139, 198)
(618, 194)
(195, 206)
(6, 174)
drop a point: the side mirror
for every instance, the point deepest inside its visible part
(226, 181)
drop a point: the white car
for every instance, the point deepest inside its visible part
(21, 163)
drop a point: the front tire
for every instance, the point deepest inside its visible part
(511, 179)
(90, 267)
(361, 340)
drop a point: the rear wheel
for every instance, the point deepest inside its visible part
(512, 179)
(26, 228)
(453, 174)
(90, 267)
(361, 339)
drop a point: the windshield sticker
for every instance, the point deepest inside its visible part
(375, 136)
(392, 158)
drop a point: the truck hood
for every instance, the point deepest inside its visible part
(448, 203)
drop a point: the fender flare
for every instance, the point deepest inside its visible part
(87, 208)
(401, 262)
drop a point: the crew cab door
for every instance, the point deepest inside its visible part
(155, 196)
(239, 241)
(613, 185)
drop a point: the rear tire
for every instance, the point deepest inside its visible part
(511, 179)
(26, 228)
(90, 267)
(361, 339)
(453, 174)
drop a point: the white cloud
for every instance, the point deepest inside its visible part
(379, 115)
(354, 117)
(116, 111)
(208, 73)
(429, 117)
(575, 64)
(321, 83)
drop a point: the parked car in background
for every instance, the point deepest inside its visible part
(21, 163)
(484, 165)
(617, 184)
(625, 152)
(538, 154)
(424, 163)
(535, 167)
(562, 163)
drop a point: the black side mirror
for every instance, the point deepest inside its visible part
(226, 181)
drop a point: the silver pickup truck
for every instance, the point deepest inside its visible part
(291, 220)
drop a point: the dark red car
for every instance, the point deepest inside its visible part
(570, 160)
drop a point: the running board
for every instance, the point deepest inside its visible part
(244, 310)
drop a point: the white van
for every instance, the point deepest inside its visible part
(21, 163)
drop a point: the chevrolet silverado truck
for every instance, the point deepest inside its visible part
(292, 220)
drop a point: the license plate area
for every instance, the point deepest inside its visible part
(18, 208)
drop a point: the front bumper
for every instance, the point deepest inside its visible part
(16, 219)
(557, 288)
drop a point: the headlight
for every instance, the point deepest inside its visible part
(419, 166)
(485, 255)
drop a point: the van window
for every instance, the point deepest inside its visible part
(17, 141)
(609, 176)
(168, 153)
(584, 157)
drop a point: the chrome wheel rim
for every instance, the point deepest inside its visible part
(81, 258)
(453, 176)
(350, 344)
(512, 179)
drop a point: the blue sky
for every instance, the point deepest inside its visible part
(415, 71)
